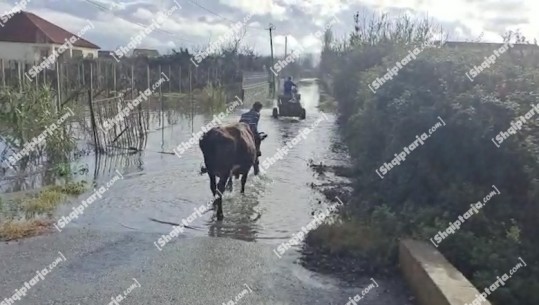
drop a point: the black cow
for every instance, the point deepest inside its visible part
(228, 151)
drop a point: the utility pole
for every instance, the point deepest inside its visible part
(285, 46)
(285, 52)
(272, 84)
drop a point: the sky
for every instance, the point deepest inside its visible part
(198, 23)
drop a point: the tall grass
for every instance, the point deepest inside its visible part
(26, 114)
(213, 98)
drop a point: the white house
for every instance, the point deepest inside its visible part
(145, 53)
(29, 38)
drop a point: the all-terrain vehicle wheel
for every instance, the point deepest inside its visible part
(275, 113)
(302, 114)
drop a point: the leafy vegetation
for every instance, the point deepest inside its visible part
(455, 167)
(25, 115)
(30, 214)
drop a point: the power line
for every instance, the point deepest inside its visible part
(209, 11)
(105, 9)
(214, 13)
(98, 5)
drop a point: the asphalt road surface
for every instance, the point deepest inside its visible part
(110, 250)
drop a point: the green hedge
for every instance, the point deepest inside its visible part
(456, 166)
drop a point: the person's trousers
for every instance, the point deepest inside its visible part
(257, 143)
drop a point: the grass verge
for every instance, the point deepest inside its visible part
(28, 215)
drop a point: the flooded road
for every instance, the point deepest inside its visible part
(169, 188)
(113, 242)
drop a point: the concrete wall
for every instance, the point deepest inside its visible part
(433, 280)
(28, 52)
(34, 52)
(85, 51)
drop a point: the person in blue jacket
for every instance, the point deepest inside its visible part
(288, 84)
(251, 118)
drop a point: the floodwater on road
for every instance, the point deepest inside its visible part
(168, 188)
(111, 242)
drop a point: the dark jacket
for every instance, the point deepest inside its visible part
(288, 84)
(251, 118)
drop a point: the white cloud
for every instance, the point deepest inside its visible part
(117, 5)
(465, 19)
(476, 16)
(66, 21)
(321, 8)
(257, 7)
(312, 43)
(144, 14)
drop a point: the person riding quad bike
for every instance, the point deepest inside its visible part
(288, 86)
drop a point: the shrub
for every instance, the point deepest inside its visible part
(456, 166)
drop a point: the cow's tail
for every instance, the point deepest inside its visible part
(209, 143)
(207, 148)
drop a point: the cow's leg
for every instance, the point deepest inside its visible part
(229, 184)
(212, 184)
(221, 188)
(218, 203)
(233, 172)
(256, 167)
(243, 180)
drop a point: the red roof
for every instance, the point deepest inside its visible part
(27, 27)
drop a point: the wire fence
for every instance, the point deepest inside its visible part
(114, 101)
(107, 87)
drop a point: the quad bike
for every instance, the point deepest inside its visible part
(289, 106)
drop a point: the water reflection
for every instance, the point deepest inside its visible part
(86, 165)
(161, 186)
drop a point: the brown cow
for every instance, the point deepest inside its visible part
(228, 151)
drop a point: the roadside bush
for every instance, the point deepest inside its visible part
(24, 116)
(456, 166)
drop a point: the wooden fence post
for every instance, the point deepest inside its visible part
(58, 93)
(114, 75)
(37, 77)
(91, 77)
(191, 97)
(19, 75)
(180, 78)
(132, 78)
(106, 78)
(148, 74)
(83, 74)
(92, 121)
(162, 113)
(3, 73)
